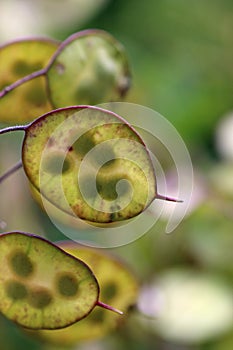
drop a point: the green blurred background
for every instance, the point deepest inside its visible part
(181, 55)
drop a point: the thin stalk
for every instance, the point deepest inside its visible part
(23, 80)
(169, 199)
(108, 307)
(11, 171)
(13, 128)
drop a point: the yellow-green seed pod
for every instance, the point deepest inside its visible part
(90, 67)
(17, 60)
(42, 286)
(118, 286)
(90, 163)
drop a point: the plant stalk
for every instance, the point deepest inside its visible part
(21, 81)
(108, 307)
(13, 128)
(169, 199)
(11, 171)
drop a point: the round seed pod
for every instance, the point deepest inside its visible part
(18, 59)
(90, 163)
(89, 67)
(118, 286)
(41, 285)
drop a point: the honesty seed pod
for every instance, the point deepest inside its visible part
(42, 286)
(18, 59)
(92, 66)
(118, 287)
(89, 67)
(90, 163)
(58, 160)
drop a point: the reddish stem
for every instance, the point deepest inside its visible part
(10, 172)
(169, 199)
(23, 80)
(108, 307)
(13, 128)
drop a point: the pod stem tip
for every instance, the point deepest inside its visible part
(108, 307)
(169, 199)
